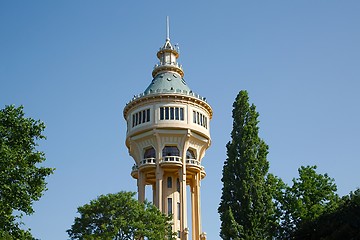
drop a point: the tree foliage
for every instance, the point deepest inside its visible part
(21, 181)
(341, 223)
(246, 208)
(119, 216)
(311, 195)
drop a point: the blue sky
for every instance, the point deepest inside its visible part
(75, 64)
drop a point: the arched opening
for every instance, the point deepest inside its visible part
(171, 154)
(149, 156)
(191, 157)
(149, 153)
(190, 154)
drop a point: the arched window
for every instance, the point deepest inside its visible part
(170, 151)
(169, 182)
(190, 154)
(149, 153)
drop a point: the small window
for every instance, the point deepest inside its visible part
(177, 114)
(161, 113)
(167, 113)
(178, 184)
(181, 114)
(169, 206)
(169, 182)
(148, 115)
(167, 58)
(171, 113)
(178, 211)
(143, 116)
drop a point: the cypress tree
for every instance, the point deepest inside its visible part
(246, 208)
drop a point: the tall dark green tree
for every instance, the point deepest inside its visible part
(21, 181)
(246, 208)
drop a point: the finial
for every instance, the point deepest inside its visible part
(167, 29)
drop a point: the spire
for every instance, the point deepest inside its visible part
(167, 29)
(168, 56)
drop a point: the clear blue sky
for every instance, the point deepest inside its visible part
(75, 64)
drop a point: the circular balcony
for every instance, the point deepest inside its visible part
(171, 161)
(147, 163)
(135, 171)
(193, 164)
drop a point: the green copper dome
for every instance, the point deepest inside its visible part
(167, 82)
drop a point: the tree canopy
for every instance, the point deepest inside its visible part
(340, 223)
(120, 217)
(246, 208)
(311, 195)
(21, 181)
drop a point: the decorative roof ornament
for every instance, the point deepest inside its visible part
(168, 56)
(167, 29)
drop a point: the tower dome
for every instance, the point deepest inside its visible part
(168, 132)
(168, 82)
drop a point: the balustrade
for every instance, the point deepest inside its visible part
(192, 162)
(171, 159)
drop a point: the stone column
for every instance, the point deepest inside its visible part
(195, 202)
(141, 187)
(159, 188)
(183, 203)
(154, 193)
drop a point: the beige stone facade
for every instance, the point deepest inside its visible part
(168, 132)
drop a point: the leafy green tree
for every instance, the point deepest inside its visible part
(119, 216)
(342, 223)
(21, 181)
(310, 196)
(246, 208)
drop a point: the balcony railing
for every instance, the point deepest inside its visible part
(191, 161)
(167, 160)
(134, 168)
(160, 91)
(170, 159)
(160, 64)
(146, 161)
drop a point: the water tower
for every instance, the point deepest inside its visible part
(168, 132)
